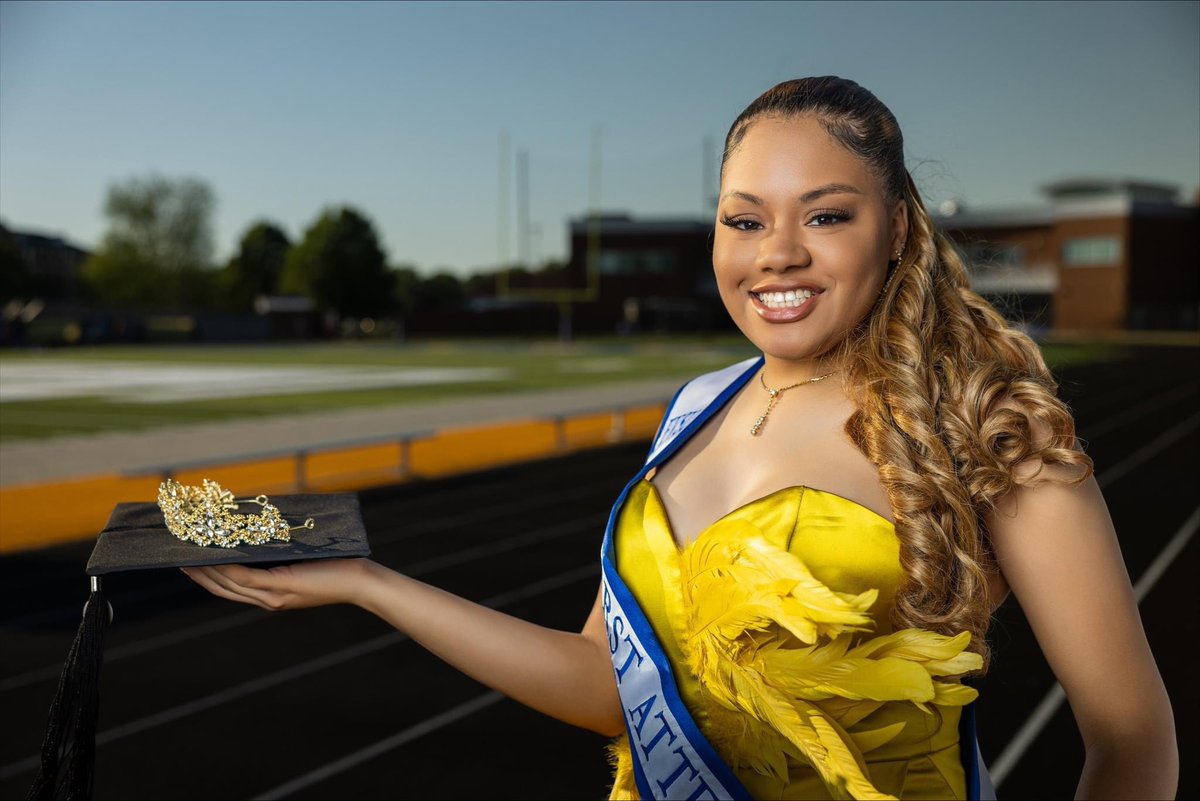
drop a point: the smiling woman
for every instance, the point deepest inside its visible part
(847, 230)
(798, 580)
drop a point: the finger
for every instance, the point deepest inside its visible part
(246, 577)
(214, 579)
(204, 580)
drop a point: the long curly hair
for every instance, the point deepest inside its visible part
(945, 388)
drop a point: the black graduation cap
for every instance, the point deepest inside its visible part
(136, 537)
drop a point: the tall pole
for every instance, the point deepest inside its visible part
(593, 229)
(523, 207)
(709, 202)
(503, 224)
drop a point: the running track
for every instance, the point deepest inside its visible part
(206, 699)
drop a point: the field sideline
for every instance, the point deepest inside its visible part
(342, 375)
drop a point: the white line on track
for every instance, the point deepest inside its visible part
(1000, 770)
(330, 769)
(1003, 766)
(227, 622)
(1113, 422)
(1149, 450)
(1044, 712)
(417, 529)
(234, 692)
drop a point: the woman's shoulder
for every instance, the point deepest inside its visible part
(1044, 442)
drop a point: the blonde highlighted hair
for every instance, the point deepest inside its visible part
(947, 391)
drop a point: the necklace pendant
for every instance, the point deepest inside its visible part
(757, 425)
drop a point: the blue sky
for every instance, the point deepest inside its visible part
(397, 108)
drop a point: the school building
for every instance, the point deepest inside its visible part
(1100, 254)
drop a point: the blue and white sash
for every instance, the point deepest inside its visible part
(671, 758)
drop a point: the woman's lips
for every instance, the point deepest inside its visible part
(786, 315)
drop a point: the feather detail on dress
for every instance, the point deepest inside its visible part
(621, 761)
(784, 656)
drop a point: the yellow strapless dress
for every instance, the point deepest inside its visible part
(776, 624)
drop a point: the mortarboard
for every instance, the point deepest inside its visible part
(137, 537)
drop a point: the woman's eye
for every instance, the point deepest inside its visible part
(740, 224)
(825, 219)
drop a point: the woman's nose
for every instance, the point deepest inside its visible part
(781, 250)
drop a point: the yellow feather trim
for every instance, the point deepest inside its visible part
(621, 761)
(780, 657)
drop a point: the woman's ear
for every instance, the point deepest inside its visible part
(899, 225)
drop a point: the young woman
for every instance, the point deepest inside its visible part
(799, 578)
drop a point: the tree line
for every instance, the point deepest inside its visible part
(158, 253)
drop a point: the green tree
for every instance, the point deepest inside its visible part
(480, 285)
(341, 266)
(405, 280)
(257, 266)
(438, 292)
(158, 249)
(15, 278)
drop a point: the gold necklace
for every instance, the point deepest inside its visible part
(775, 393)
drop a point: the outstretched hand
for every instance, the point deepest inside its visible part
(298, 586)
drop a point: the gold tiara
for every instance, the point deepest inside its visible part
(204, 515)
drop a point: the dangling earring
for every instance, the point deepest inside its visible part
(892, 272)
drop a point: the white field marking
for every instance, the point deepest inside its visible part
(604, 364)
(138, 647)
(123, 382)
(1045, 710)
(290, 674)
(381, 747)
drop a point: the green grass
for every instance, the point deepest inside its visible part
(532, 365)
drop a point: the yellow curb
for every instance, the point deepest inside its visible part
(39, 515)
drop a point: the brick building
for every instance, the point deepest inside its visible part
(653, 274)
(1099, 255)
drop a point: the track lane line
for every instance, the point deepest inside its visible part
(1044, 712)
(227, 622)
(289, 674)
(1041, 716)
(381, 747)
(420, 529)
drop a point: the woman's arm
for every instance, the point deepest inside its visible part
(565, 675)
(1058, 552)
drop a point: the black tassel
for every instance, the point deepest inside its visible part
(69, 749)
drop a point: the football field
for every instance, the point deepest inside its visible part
(86, 390)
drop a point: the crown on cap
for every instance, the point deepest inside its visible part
(204, 515)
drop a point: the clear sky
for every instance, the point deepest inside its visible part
(396, 109)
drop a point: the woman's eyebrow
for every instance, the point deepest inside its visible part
(807, 197)
(828, 189)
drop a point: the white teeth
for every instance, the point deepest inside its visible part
(784, 300)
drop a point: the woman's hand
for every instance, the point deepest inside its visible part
(316, 583)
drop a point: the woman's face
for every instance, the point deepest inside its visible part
(803, 238)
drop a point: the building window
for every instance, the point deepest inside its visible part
(1092, 251)
(637, 262)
